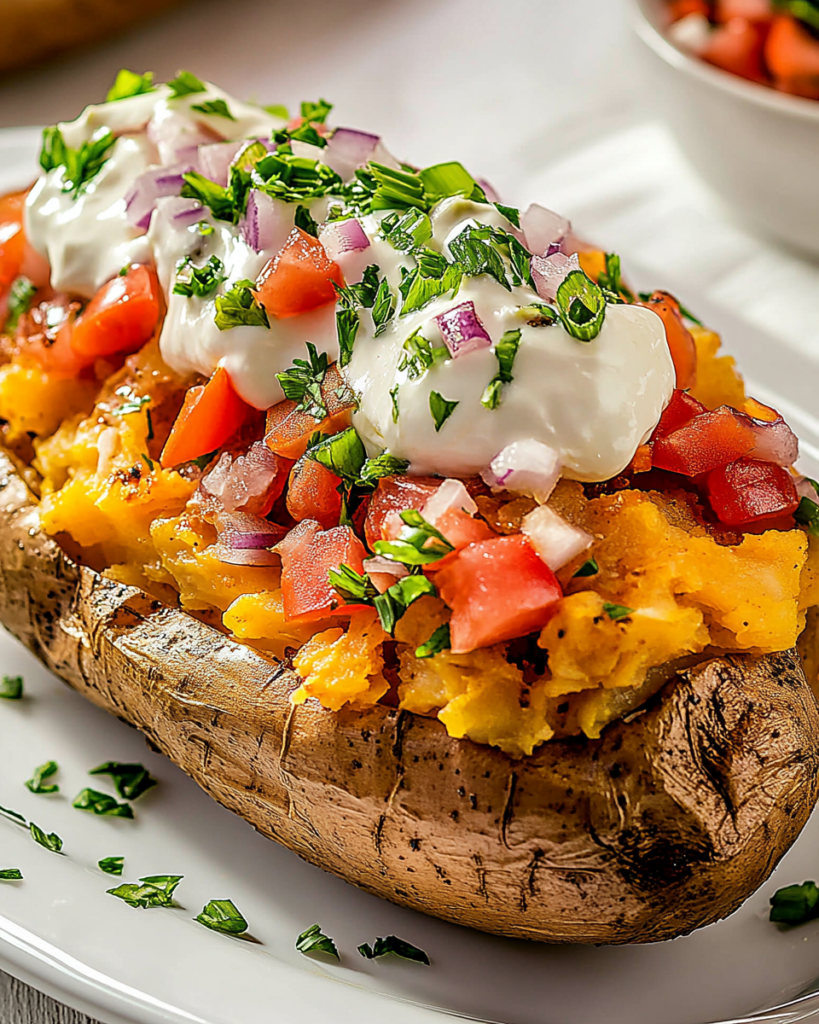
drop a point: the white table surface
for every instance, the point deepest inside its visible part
(542, 97)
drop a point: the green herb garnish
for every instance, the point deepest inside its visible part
(795, 904)
(112, 865)
(277, 110)
(80, 166)
(186, 84)
(509, 212)
(382, 465)
(406, 232)
(441, 409)
(420, 355)
(239, 308)
(588, 568)
(616, 611)
(383, 307)
(18, 819)
(354, 587)
(101, 803)
(419, 542)
(20, 296)
(807, 513)
(151, 891)
(36, 784)
(313, 940)
(216, 108)
(582, 306)
(394, 398)
(304, 220)
(302, 382)
(11, 875)
(222, 916)
(130, 780)
(129, 83)
(439, 641)
(505, 352)
(199, 281)
(217, 198)
(316, 112)
(611, 279)
(11, 687)
(391, 944)
(393, 603)
(50, 840)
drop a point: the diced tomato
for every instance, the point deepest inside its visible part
(313, 494)
(737, 47)
(121, 317)
(792, 56)
(308, 554)
(44, 334)
(748, 491)
(710, 440)
(396, 494)
(680, 341)
(12, 238)
(289, 430)
(211, 414)
(752, 10)
(461, 530)
(680, 410)
(299, 278)
(684, 8)
(497, 590)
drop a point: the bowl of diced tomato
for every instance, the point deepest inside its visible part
(738, 83)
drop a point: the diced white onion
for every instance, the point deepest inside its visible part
(691, 33)
(525, 467)
(556, 541)
(450, 495)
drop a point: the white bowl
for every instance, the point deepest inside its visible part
(756, 147)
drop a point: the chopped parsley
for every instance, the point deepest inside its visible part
(588, 568)
(510, 213)
(18, 819)
(383, 307)
(199, 281)
(439, 641)
(313, 940)
(406, 232)
(11, 687)
(223, 916)
(304, 220)
(441, 409)
(611, 280)
(582, 306)
(217, 198)
(380, 466)
(807, 512)
(350, 300)
(417, 290)
(185, 84)
(80, 166)
(215, 108)
(36, 783)
(616, 611)
(538, 314)
(393, 603)
(134, 404)
(101, 803)
(129, 83)
(20, 296)
(151, 891)
(50, 840)
(396, 190)
(449, 179)
(394, 398)
(392, 945)
(354, 587)
(130, 780)
(277, 110)
(476, 254)
(239, 308)
(11, 875)
(795, 904)
(505, 352)
(419, 542)
(316, 112)
(294, 179)
(420, 355)
(112, 865)
(302, 382)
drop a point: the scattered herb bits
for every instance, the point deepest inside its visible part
(313, 940)
(112, 865)
(101, 803)
(11, 875)
(36, 783)
(795, 904)
(18, 819)
(11, 687)
(392, 945)
(441, 409)
(151, 891)
(588, 568)
(130, 780)
(50, 840)
(616, 611)
(223, 916)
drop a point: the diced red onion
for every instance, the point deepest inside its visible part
(450, 495)
(556, 541)
(775, 441)
(244, 530)
(215, 160)
(150, 186)
(244, 483)
(462, 331)
(549, 272)
(342, 236)
(348, 149)
(805, 489)
(178, 212)
(267, 222)
(255, 557)
(176, 136)
(542, 228)
(526, 467)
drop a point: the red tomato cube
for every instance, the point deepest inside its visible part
(313, 493)
(748, 491)
(210, 416)
(396, 494)
(308, 554)
(121, 317)
(678, 413)
(709, 440)
(299, 278)
(497, 589)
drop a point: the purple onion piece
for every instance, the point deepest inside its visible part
(267, 222)
(462, 331)
(215, 160)
(549, 272)
(348, 149)
(342, 236)
(543, 229)
(244, 531)
(150, 186)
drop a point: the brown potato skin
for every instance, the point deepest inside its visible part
(34, 30)
(667, 823)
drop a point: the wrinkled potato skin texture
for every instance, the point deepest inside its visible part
(665, 824)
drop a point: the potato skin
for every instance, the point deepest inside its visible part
(667, 823)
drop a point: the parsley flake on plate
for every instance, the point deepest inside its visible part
(36, 783)
(111, 865)
(223, 916)
(11, 875)
(392, 945)
(50, 840)
(795, 904)
(130, 780)
(11, 687)
(102, 804)
(151, 891)
(313, 940)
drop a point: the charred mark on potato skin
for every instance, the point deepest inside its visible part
(508, 808)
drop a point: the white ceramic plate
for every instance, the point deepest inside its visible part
(61, 932)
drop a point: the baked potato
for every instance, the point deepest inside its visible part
(552, 694)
